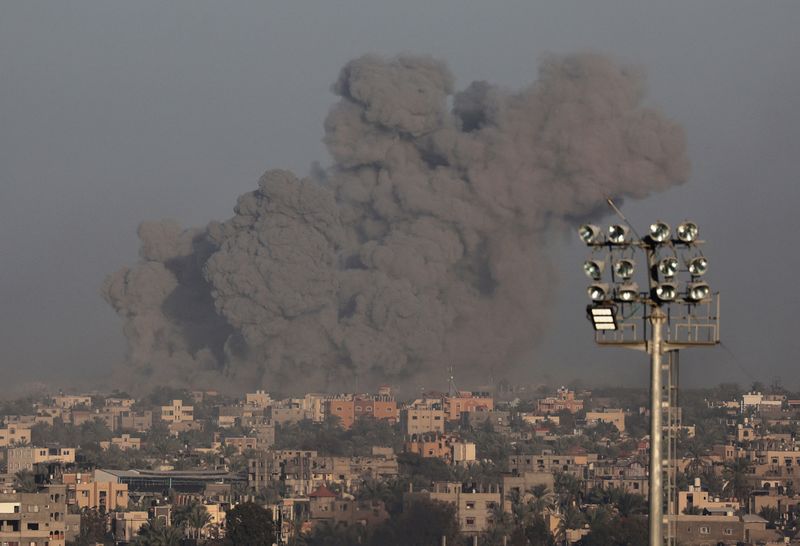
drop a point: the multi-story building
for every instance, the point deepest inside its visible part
(326, 506)
(454, 406)
(376, 407)
(33, 519)
(68, 401)
(474, 506)
(25, 458)
(343, 408)
(499, 421)
(563, 400)
(176, 412)
(577, 465)
(258, 399)
(421, 419)
(614, 417)
(126, 525)
(15, 435)
(137, 421)
(123, 442)
(84, 491)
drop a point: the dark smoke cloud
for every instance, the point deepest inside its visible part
(424, 244)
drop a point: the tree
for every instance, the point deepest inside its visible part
(94, 528)
(157, 533)
(197, 520)
(250, 525)
(423, 523)
(25, 482)
(736, 473)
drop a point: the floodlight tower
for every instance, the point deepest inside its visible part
(678, 310)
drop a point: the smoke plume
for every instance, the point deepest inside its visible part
(424, 244)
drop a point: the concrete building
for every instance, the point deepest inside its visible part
(474, 506)
(84, 491)
(344, 408)
(25, 458)
(12, 435)
(126, 525)
(380, 407)
(124, 443)
(176, 412)
(33, 519)
(258, 399)
(325, 506)
(454, 406)
(696, 498)
(614, 417)
(499, 421)
(563, 400)
(421, 420)
(69, 401)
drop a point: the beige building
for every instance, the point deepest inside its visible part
(695, 498)
(68, 401)
(614, 417)
(84, 492)
(25, 458)
(124, 442)
(126, 525)
(474, 507)
(15, 435)
(258, 399)
(421, 420)
(33, 519)
(176, 412)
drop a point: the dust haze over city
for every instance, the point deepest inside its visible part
(426, 168)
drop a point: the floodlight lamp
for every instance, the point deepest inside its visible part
(594, 269)
(603, 317)
(589, 234)
(628, 292)
(624, 269)
(666, 291)
(687, 232)
(618, 234)
(698, 266)
(598, 291)
(698, 291)
(659, 232)
(668, 267)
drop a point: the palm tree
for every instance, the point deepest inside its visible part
(156, 533)
(197, 519)
(736, 473)
(543, 499)
(25, 482)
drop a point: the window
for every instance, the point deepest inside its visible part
(470, 521)
(470, 505)
(705, 530)
(729, 531)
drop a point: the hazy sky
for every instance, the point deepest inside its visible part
(115, 112)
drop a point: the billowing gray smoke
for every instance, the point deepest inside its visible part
(424, 244)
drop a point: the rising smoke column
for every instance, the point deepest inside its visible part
(424, 243)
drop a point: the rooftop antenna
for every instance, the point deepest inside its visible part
(452, 390)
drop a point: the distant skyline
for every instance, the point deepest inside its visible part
(114, 114)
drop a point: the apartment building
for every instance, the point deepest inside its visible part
(259, 399)
(33, 519)
(124, 442)
(464, 401)
(84, 491)
(176, 412)
(344, 408)
(12, 435)
(69, 401)
(563, 400)
(25, 458)
(474, 506)
(126, 525)
(614, 417)
(422, 419)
